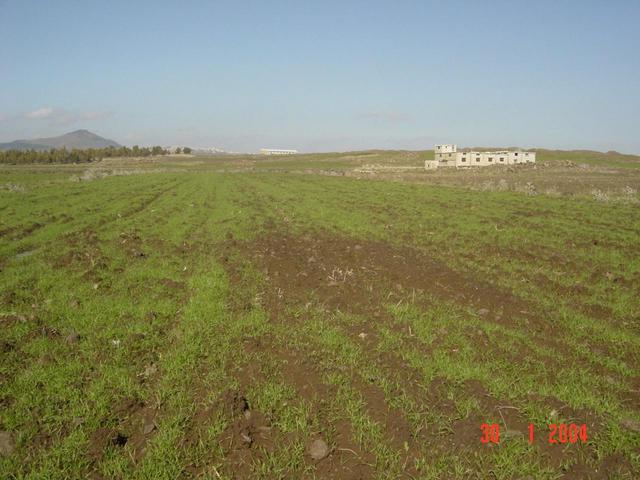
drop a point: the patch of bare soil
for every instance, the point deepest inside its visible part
(132, 244)
(20, 232)
(85, 255)
(250, 434)
(103, 438)
(360, 276)
(356, 276)
(131, 425)
(341, 274)
(109, 436)
(248, 437)
(302, 370)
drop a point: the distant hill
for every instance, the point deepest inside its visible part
(79, 139)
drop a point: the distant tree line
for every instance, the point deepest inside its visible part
(62, 155)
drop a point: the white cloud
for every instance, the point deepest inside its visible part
(61, 116)
(45, 112)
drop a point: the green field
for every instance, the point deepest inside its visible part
(212, 318)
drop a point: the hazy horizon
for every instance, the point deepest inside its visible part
(329, 76)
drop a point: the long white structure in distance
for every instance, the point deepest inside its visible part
(277, 151)
(448, 156)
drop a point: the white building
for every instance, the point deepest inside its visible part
(277, 151)
(448, 156)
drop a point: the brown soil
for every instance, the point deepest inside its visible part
(20, 232)
(103, 438)
(357, 276)
(132, 423)
(84, 255)
(354, 276)
(248, 436)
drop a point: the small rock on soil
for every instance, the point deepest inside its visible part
(149, 426)
(318, 449)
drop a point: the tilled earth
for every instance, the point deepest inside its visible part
(216, 326)
(339, 276)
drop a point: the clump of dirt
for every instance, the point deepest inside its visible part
(233, 403)
(141, 427)
(248, 436)
(103, 438)
(132, 244)
(133, 423)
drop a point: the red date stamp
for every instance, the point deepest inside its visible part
(559, 433)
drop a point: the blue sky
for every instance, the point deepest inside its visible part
(321, 76)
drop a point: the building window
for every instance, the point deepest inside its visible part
(464, 159)
(502, 159)
(516, 154)
(491, 159)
